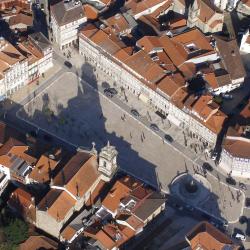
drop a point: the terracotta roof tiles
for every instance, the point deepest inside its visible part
(171, 83)
(57, 203)
(43, 169)
(38, 242)
(237, 148)
(79, 174)
(207, 236)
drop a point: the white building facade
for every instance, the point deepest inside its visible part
(234, 163)
(130, 80)
(65, 27)
(15, 77)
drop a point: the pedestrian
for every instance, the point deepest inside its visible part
(143, 135)
(130, 135)
(141, 139)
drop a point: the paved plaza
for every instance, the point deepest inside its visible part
(74, 111)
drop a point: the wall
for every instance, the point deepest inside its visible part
(66, 34)
(47, 223)
(236, 166)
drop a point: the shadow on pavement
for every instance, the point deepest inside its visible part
(67, 119)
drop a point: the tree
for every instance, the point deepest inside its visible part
(15, 232)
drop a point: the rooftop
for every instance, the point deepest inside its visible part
(9, 55)
(79, 174)
(230, 55)
(67, 11)
(207, 236)
(38, 242)
(40, 41)
(237, 148)
(42, 171)
(13, 154)
(52, 203)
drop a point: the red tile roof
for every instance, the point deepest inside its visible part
(38, 242)
(237, 148)
(206, 236)
(171, 83)
(43, 169)
(79, 174)
(57, 203)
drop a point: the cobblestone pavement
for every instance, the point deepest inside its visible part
(71, 109)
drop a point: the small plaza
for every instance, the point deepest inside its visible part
(73, 117)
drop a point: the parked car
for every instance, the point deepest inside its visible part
(242, 186)
(154, 127)
(243, 219)
(110, 92)
(207, 167)
(231, 181)
(160, 114)
(228, 96)
(189, 208)
(68, 64)
(214, 155)
(135, 113)
(247, 202)
(168, 138)
(239, 236)
(230, 8)
(225, 224)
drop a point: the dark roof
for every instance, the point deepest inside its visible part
(230, 54)
(40, 40)
(152, 203)
(67, 12)
(6, 132)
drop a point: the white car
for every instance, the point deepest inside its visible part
(239, 236)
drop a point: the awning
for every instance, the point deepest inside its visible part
(144, 98)
(174, 120)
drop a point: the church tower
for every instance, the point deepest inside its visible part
(107, 160)
(193, 13)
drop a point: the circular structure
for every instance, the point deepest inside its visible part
(193, 190)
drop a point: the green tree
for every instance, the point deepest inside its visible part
(15, 232)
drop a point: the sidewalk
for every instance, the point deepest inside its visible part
(19, 95)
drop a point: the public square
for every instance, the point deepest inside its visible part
(74, 111)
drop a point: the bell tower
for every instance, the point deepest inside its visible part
(107, 160)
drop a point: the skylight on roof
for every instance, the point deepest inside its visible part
(191, 47)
